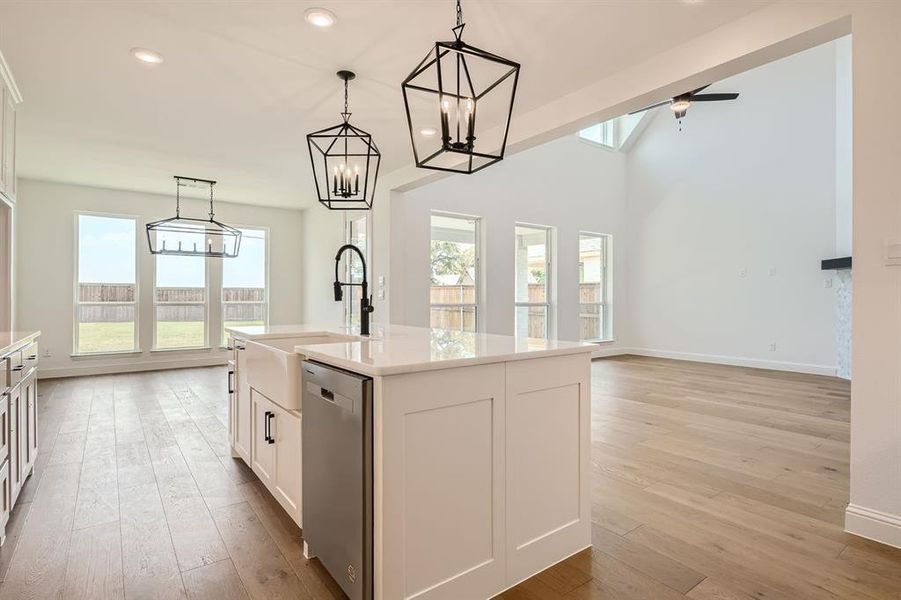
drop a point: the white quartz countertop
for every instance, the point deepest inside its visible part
(9, 340)
(395, 349)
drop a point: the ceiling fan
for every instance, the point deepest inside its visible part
(679, 104)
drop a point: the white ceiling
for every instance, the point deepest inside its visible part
(243, 82)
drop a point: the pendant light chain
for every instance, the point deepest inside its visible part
(459, 14)
(211, 202)
(177, 199)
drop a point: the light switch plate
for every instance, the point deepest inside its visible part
(892, 252)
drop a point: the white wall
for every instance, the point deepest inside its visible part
(729, 219)
(323, 234)
(567, 184)
(46, 261)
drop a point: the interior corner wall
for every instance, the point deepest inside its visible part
(45, 257)
(729, 219)
(567, 184)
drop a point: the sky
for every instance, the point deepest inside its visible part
(106, 254)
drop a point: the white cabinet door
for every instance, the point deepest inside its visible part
(286, 429)
(243, 414)
(548, 425)
(262, 444)
(439, 439)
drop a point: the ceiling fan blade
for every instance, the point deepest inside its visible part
(713, 97)
(703, 87)
(664, 103)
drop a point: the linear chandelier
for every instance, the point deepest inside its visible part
(345, 162)
(443, 96)
(184, 236)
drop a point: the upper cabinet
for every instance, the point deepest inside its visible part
(10, 97)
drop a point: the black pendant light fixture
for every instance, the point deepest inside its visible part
(184, 236)
(453, 85)
(345, 162)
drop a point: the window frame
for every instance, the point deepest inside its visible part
(477, 274)
(136, 348)
(222, 303)
(606, 284)
(550, 317)
(610, 131)
(348, 302)
(205, 345)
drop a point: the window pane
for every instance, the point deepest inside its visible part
(244, 283)
(590, 322)
(180, 298)
(453, 259)
(459, 318)
(531, 269)
(106, 328)
(106, 284)
(353, 269)
(531, 321)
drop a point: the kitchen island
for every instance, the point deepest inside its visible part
(480, 452)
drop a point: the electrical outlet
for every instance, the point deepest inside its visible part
(47, 353)
(773, 347)
(742, 273)
(380, 291)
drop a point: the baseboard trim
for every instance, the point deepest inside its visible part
(130, 367)
(735, 361)
(873, 524)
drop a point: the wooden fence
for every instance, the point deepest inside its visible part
(590, 318)
(113, 303)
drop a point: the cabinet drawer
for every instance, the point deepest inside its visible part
(16, 368)
(30, 356)
(4, 375)
(4, 427)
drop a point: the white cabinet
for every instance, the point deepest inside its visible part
(482, 475)
(239, 418)
(276, 452)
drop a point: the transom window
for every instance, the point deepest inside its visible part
(454, 257)
(532, 280)
(106, 285)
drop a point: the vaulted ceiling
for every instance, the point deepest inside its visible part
(243, 82)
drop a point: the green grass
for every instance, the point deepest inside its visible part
(117, 337)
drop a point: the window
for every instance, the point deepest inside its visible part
(602, 133)
(106, 285)
(355, 232)
(593, 284)
(454, 256)
(180, 299)
(532, 278)
(245, 293)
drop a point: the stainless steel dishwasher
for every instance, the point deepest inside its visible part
(337, 475)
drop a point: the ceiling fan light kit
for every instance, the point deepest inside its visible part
(463, 97)
(681, 103)
(185, 236)
(345, 161)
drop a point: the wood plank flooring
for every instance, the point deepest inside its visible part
(718, 483)
(709, 482)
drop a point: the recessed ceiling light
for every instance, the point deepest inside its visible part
(428, 132)
(147, 56)
(320, 17)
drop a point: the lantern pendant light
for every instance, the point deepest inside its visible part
(345, 162)
(448, 89)
(184, 236)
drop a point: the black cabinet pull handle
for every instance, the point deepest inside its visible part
(266, 426)
(231, 387)
(32, 357)
(18, 367)
(269, 420)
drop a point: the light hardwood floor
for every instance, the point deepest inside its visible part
(710, 482)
